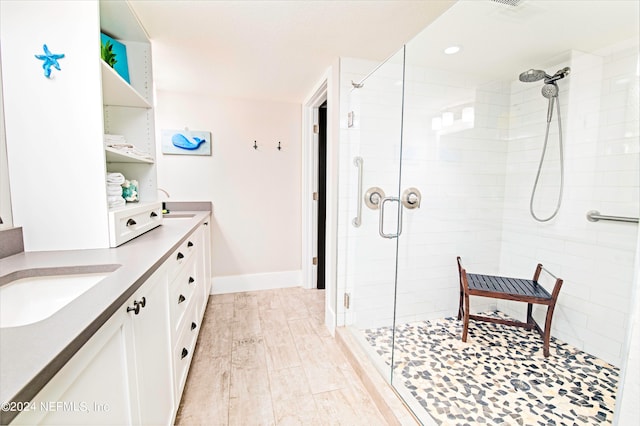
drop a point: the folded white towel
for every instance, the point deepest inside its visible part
(119, 145)
(115, 201)
(115, 178)
(129, 149)
(114, 190)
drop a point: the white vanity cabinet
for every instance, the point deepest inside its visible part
(55, 125)
(189, 287)
(120, 375)
(133, 369)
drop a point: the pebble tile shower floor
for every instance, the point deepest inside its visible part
(499, 376)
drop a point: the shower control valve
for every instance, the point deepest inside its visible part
(373, 197)
(411, 198)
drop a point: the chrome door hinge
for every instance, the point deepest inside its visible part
(316, 129)
(347, 300)
(315, 196)
(314, 260)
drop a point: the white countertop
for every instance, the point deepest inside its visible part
(31, 355)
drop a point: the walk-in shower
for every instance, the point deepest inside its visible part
(550, 91)
(467, 131)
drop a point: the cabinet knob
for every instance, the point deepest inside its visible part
(191, 280)
(131, 222)
(193, 326)
(206, 224)
(181, 299)
(153, 214)
(185, 352)
(189, 244)
(180, 256)
(135, 309)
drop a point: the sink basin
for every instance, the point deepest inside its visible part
(28, 299)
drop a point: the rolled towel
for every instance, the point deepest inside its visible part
(117, 178)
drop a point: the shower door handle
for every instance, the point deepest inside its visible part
(381, 218)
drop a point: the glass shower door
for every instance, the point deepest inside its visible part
(373, 222)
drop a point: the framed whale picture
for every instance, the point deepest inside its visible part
(186, 142)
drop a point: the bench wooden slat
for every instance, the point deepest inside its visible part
(515, 286)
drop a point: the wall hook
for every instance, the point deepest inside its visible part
(279, 147)
(255, 145)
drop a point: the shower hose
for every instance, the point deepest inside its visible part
(544, 150)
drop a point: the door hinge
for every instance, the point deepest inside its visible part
(315, 196)
(316, 129)
(314, 260)
(347, 300)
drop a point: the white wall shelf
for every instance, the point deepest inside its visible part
(117, 156)
(117, 92)
(90, 99)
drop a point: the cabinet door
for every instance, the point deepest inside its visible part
(152, 348)
(94, 387)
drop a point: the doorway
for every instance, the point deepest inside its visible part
(322, 195)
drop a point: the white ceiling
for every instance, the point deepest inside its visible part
(272, 50)
(278, 50)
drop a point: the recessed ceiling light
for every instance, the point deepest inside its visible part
(451, 50)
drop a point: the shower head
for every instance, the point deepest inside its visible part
(533, 75)
(550, 90)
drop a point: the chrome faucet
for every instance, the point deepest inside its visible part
(165, 192)
(165, 210)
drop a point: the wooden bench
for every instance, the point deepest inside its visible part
(517, 289)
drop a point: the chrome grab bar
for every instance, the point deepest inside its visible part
(357, 221)
(594, 216)
(381, 218)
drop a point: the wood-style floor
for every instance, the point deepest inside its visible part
(265, 358)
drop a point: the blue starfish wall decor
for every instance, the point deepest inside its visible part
(50, 60)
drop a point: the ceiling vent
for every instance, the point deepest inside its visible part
(513, 3)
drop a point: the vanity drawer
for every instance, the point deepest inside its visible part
(182, 255)
(129, 222)
(184, 349)
(182, 294)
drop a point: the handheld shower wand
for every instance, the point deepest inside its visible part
(550, 91)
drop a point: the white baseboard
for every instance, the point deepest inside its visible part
(253, 282)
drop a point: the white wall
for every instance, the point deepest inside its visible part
(255, 193)
(5, 189)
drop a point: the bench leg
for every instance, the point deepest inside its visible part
(460, 309)
(465, 326)
(530, 319)
(547, 329)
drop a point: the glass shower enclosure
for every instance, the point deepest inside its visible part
(438, 158)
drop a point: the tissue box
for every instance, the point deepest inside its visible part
(112, 50)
